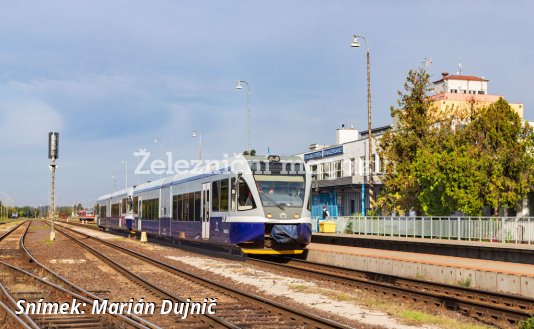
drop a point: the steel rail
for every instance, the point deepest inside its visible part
(49, 284)
(130, 319)
(14, 316)
(212, 320)
(24, 318)
(427, 292)
(483, 304)
(308, 318)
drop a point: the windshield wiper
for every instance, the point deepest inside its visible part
(275, 203)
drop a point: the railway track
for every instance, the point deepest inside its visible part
(489, 307)
(22, 277)
(237, 307)
(126, 286)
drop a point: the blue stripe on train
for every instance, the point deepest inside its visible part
(219, 231)
(243, 232)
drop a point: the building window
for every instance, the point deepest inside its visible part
(326, 170)
(454, 91)
(313, 169)
(339, 169)
(352, 170)
(361, 169)
(481, 92)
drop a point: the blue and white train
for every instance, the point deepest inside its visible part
(260, 204)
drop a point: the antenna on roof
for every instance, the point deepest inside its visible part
(460, 65)
(428, 65)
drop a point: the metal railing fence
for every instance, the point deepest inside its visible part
(483, 229)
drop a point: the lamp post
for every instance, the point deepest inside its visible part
(125, 163)
(249, 129)
(199, 135)
(370, 163)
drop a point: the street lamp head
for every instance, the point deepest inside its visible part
(355, 43)
(156, 140)
(194, 134)
(239, 85)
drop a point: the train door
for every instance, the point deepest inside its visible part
(205, 210)
(139, 212)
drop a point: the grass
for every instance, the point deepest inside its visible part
(420, 276)
(419, 317)
(400, 312)
(48, 241)
(465, 282)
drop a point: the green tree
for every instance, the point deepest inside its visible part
(504, 144)
(400, 146)
(439, 165)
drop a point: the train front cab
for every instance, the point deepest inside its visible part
(273, 213)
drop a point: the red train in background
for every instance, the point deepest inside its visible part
(88, 215)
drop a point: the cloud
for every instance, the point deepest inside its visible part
(27, 123)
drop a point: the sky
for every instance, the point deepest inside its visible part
(112, 76)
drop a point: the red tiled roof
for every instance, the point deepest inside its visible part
(461, 77)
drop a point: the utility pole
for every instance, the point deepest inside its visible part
(370, 163)
(53, 144)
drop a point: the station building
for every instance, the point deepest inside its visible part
(341, 172)
(341, 169)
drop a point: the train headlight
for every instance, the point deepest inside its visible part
(269, 215)
(296, 216)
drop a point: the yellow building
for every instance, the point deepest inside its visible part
(457, 95)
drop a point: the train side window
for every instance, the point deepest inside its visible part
(150, 209)
(103, 211)
(129, 205)
(185, 211)
(224, 195)
(233, 195)
(197, 206)
(136, 204)
(123, 206)
(115, 210)
(191, 208)
(175, 207)
(215, 196)
(245, 201)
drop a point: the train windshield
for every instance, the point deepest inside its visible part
(281, 190)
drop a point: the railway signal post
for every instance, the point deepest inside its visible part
(53, 144)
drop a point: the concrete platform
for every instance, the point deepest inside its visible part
(504, 277)
(505, 252)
